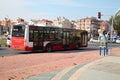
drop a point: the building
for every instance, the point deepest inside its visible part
(5, 25)
(105, 29)
(62, 22)
(105, 26)
(44, 22)
(89, 24)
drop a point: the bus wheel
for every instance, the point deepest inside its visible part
(48, 48)
(77, 46)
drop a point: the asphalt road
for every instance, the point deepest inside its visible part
(4, 51)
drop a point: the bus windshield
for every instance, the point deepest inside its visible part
(18, 30)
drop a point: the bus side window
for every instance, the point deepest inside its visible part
(46, 36)
(31, 35)
(59, 35)
(40, 34)
(56, 34)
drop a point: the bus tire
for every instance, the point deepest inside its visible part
(48, 48)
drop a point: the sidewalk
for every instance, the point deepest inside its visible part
(104, 69)
(107, 68)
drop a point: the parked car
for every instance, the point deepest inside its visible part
(118, 40)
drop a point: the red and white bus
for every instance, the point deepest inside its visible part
(46, 38)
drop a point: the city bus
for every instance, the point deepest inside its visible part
(46, 38)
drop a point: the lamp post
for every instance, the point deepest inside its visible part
(117, 12)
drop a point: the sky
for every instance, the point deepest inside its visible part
(50, 9)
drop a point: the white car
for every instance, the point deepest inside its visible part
(118, 40)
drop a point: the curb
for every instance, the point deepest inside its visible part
(76, 75)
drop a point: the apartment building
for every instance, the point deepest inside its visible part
(5, 25)
(89, 24)
(62, 22)
(105, 26)
(44, 22)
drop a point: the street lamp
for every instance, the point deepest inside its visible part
(117, 12)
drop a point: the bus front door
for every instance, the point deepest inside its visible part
(37, 42)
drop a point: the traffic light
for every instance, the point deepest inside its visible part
(99, 15)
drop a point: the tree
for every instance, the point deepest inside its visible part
(116, 23)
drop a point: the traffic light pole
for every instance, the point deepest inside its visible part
(111, 28)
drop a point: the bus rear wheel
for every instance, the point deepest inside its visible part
(48, 48)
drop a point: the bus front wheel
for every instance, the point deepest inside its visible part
(48, 48)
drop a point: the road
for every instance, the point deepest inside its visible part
(4, 51)
(95, 45)
(26, 65)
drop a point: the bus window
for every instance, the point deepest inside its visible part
(59, 34)
(41, 35)
(31, 35)
(36, 35)
(56, 34)
(46, 34)
(51, 34)
(18, 30)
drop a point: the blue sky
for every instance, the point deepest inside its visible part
(50, 9)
